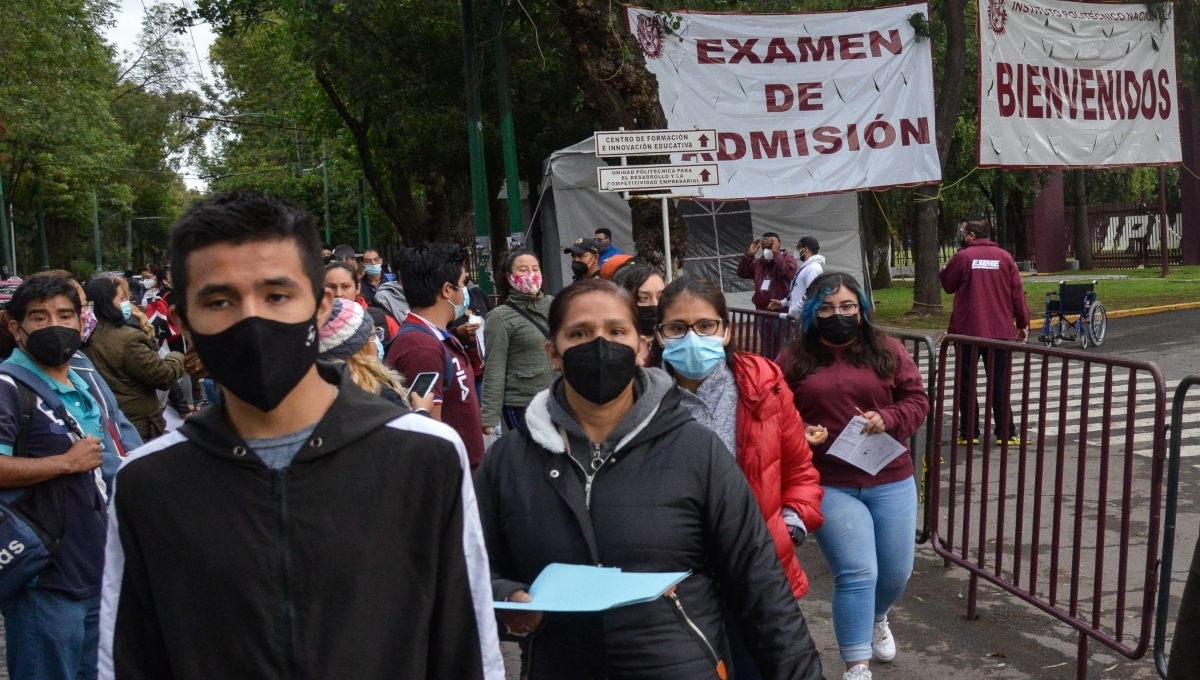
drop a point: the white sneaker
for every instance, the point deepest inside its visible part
(882, 642)
(859, 672)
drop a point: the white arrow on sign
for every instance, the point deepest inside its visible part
(654, 142)
(648, 177)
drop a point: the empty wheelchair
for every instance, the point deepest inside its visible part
(1076, 300)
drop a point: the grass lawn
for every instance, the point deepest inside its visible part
(1143, 288)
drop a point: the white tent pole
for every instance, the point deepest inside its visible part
(667, 237)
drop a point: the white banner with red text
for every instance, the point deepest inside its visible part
(1074, 84)
(803, 104)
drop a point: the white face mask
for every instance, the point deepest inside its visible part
(768, 254)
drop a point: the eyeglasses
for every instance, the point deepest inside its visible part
(844, 309)
(378, 333)
(675, 330)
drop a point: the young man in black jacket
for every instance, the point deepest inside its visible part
(300, 527)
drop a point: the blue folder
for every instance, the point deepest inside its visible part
(581, 588)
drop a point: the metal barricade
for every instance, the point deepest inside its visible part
(981, 516)
(920, 346)
(1168, 549)
(761, 333)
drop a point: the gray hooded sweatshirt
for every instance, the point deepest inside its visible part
(390, 298)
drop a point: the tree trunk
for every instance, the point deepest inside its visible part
(648, 241)
(1083, 231)
(927, 289)
(927, 292)
(877, 240)
(397, 203)
(619, 92)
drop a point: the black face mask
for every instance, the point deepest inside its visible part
(52, 346)
(259, 360)
(647, 319)
(838, 329)
(579, 270)
(599, 370)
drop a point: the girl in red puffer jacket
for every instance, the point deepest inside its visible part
(744, 399)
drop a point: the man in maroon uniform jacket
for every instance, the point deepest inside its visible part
(989, 302)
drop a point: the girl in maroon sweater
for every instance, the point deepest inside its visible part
(839, 367)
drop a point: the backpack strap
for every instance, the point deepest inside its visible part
(448, 370)
(542, 329)
(31, 381)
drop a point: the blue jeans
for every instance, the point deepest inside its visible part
(50, 636)
(868, 541)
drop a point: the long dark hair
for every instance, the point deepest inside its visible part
(564, 300)
(632, 278)
(808, 353)
(343, 265)
(100, 292)
(700, 289)
(503, 287)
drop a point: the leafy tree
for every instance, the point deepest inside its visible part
(76, 122)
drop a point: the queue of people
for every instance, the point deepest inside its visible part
(335, 512)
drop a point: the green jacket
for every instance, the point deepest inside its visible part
(516, 366)
(129, 361)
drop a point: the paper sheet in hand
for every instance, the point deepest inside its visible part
(869, 452)
(580, 588)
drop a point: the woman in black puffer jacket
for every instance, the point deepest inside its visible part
(609, 469)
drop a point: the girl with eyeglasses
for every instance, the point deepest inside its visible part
(839, 367)
(743, 399)
(609, 469)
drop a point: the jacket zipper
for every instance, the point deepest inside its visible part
(289, 610)
(587, 478)
(687, 621)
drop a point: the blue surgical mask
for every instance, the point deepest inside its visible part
(694, 356)
(373, 269)
(459, 310)
(379, 349)
(126, 309)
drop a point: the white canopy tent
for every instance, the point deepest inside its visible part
(719, 231)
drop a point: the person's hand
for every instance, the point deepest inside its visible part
(1023, 335)
(771, 243)
(520, 622)
(754, 246)
(467, 330)
(83, 456)
(488, 430)
(775, 304)
(416, 401)
(875, 424)
(815, 434)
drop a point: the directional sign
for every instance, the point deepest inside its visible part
(654, 142)
(647, 177)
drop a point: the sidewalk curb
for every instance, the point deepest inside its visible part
(1124, 313)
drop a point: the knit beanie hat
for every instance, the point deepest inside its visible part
(346, 332)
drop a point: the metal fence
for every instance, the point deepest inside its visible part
(1036, 517)
(1126, 235)
(762, 333)
(1168, 549)
(920, 347)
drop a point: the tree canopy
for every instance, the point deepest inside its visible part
(368, 99)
